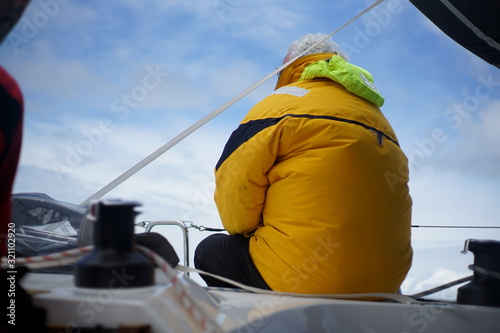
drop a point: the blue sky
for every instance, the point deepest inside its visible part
(108, 82)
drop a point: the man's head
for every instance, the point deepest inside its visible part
(10, 12)
(309, 40)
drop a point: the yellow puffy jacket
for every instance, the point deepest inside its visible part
(315, 177)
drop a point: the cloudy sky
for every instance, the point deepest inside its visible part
(106, 83)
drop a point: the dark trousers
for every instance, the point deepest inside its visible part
(227, 256)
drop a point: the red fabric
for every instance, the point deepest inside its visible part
(11, 123)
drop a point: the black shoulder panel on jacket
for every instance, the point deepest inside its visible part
(247, 130)
(242, 134)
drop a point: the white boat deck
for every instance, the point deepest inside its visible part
(157, 307)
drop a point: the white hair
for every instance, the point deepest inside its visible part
(310, 40)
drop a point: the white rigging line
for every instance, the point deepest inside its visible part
(157, 153)
(490, 41)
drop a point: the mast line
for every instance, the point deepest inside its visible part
(160, 151)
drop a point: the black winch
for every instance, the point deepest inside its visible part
(114, 261)
(484, 289)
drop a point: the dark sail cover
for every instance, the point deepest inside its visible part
(473, 24)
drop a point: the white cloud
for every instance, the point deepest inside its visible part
(56, 78)
(446, 198)
(479, 147)
(265, 25)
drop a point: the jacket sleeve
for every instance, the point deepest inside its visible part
(241, 177)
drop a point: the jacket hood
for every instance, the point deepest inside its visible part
(331, 66)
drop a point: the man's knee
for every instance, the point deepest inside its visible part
(207, 247)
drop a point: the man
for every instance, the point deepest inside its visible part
(312, 186)
(11, 120)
